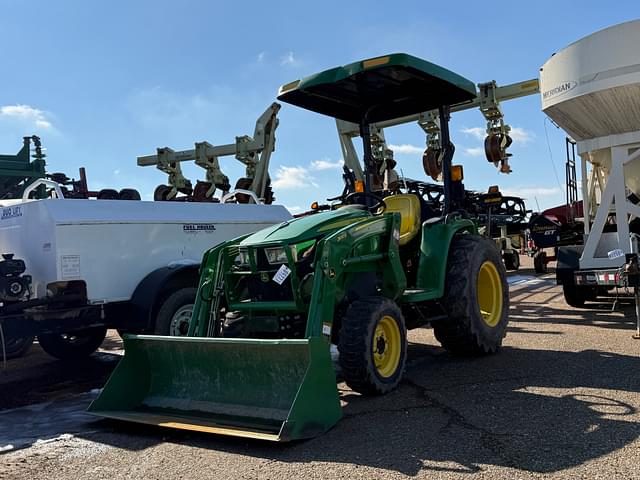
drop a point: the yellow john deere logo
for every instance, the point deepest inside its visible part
(264, 276)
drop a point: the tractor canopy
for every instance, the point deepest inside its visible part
(379, 89)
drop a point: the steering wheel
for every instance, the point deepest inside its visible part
(356, 198)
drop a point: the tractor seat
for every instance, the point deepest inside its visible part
(408, 206)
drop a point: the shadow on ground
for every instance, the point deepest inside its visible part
(533, 410)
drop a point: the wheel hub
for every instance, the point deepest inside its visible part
(489, 289)
(181, 321)
(386, 347)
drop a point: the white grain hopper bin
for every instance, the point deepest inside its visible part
(591, 89)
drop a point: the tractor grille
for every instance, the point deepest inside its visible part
(255, 289)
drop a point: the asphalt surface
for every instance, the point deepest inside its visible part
(559, 401)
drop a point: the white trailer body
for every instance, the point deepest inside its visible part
(97, 264)
(113, 244)
(592, 90)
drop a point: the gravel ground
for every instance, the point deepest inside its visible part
(559, 401)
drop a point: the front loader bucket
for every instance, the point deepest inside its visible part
(275, 390)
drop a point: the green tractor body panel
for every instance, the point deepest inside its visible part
(432, 268)
(304, 228)
(280, 292)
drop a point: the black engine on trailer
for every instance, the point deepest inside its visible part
(13, 284)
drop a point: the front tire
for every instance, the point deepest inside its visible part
(174, 315)
(74, 345)
(373, 346)
(476, 298)
(16, 347)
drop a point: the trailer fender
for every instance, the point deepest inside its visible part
(150, 292)
(567, 264)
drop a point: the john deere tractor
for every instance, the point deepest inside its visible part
(270, 305)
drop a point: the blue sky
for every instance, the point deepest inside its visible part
(104, 82)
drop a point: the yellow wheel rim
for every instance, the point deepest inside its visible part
(386, 346)
(490, 293)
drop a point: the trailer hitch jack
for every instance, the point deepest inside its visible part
(632, 272)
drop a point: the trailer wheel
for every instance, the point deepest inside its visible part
(476, 298)
(373, 345)
(16, 347)
(129, 194)
(174, 315)
(161, 193)
(576, 295)
(107, 194)
(540, 262)
(511, 261)
(73, 345)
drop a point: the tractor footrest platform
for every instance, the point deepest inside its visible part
(416, 295)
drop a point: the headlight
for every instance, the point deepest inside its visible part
(276, 255)
(243, 256)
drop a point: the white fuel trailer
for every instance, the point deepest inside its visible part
(81, 266)
(73, 267)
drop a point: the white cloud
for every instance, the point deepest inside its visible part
(116, 171)
(293, 177)
(530, 192)
(473, 151)
(326, 164)
(261, 57)
(405, 148)
(289, 59)
(27, 114)
(294, 208)
(477, 132)
(520, 135)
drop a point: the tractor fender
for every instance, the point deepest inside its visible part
(434, 251)
(153, 288)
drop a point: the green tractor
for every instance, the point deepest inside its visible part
(271, 305)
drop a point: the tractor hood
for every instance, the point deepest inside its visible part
(304, 228)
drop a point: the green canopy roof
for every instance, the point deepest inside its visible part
(381, 88)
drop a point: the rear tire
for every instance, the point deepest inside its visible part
(74, 345)
(16, 347)
(373, 345)
(575, 295)
(540, 262)
(476, 298)
(174, 316)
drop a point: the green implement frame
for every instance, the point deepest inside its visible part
(18, 171)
